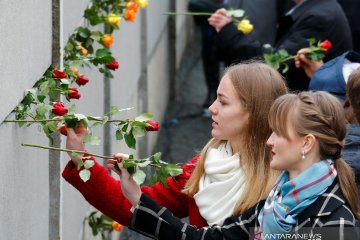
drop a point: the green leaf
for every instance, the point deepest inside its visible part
(42, 109)
(80, 162)
(83, 32)
(144, 117)
(119, 135)
(128, 163)
(145, 163)
(89, 163)
(139, 177)
(114, 110)
(138, 131)
(96, 124)
(29, 96)
(72, 109)
(105, 120)
(130, 140)
(85, 175)
(102, 52)
(237, 13)
(153, 179)
(173, 169)
(156, 158)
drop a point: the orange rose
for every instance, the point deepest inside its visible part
(133, 6)
(130, 15)
(107, 40)
(117, 226)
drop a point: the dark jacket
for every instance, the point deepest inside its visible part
(329, 217)
(319, 19)
(351, 151)
(329, 77)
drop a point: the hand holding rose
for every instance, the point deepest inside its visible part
(129, 187)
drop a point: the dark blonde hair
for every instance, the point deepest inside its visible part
(319, 114)
(257, 85)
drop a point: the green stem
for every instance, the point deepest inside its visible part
(188, 13)
(66, 150)
(58, 119)
(84, 152)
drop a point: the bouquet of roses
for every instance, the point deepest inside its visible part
(280, 58)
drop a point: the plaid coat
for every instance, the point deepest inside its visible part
(328, 218)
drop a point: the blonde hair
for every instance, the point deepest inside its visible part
(257, 85)
(319, 114)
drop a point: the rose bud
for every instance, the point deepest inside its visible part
(82, 80)
(74, 70)
(59, 74)
(113, 65)
(74, 93)
(63, 130)
(326, 45)
(117, 226)
(152, 126)
(59, 109)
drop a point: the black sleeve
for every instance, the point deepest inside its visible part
(157, 222)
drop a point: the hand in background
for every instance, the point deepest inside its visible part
(75, 141)
(219, 19)
(129, 187)
(307, 64)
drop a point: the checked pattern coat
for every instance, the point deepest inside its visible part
(328, 218)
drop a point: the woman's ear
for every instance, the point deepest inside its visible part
(309, 143)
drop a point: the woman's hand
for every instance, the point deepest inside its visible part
(307, 64)
(75, 141)
(219, 19)
(129, 187)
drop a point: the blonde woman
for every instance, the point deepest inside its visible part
(229, 176)
(315, 196)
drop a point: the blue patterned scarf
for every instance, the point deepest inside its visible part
(289, 198)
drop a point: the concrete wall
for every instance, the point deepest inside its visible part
(142, 82)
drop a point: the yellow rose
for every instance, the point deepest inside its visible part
(113, 19)
(143, 3)
(245, 26)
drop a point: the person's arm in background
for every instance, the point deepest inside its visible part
(309, 66)
(104, 192)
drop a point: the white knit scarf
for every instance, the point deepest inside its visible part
(221, 185)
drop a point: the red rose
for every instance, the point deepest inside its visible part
(59, 74)
(82, 80)
(152, 126)
(63, 130)
(74, 93)
(59, 109)
(326, 45)
(113, 65)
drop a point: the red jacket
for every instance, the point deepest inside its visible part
(104, 193)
